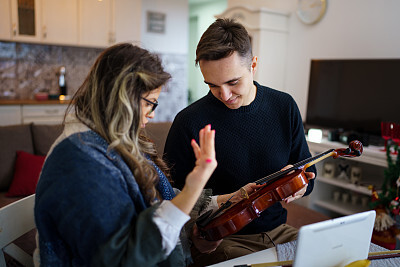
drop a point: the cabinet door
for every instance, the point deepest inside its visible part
(5, 20)
(43, 114)
(60, 21)
(127, 20)
(96, 23)
(10, 115)
(25, 21)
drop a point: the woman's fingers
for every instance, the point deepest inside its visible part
(196, 149)
(210, 143)
(207, 143)
(205, 150)
(201, 138)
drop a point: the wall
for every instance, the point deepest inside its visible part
(175, 38)
(173, 49)
(349, 29)
(201, 16)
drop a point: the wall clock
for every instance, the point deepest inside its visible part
(310, 11)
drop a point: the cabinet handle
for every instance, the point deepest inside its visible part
(111, 38)
(51, 111)
(44, 32)
(14, 29)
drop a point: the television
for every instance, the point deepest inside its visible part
(353, 94)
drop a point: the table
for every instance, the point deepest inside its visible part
(263, 256)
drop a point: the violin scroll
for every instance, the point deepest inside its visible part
(356, 146)
(355, 149)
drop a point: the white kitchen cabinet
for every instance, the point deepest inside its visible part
(91, 23)
(127, 20)
(59, 22)
(5, 20)
(337, 196)
(40, 21)
(104, 23)
(25, 20)
(14, 112)
(43, 114)
(96, 27)
(10, 115)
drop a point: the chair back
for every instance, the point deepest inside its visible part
(16, 219)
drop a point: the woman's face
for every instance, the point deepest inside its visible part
(149, 102)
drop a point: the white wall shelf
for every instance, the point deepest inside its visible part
(341, 208)
(372, 163)
(371, 155)
(344, 184)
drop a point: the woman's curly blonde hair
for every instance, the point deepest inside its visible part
(110, 99)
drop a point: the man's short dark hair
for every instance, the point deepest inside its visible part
(222, 39)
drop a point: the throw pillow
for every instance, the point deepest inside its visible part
(26, 174)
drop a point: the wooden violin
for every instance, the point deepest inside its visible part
(229, 219)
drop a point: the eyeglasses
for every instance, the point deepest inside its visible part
(155, 104)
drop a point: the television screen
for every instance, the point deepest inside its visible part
(354, 94)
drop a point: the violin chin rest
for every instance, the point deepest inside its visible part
(202, 220)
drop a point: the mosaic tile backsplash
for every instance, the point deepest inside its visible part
(26, 69)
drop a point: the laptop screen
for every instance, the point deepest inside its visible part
(335, 242)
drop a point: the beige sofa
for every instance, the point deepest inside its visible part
(30, 138)
(36, 140)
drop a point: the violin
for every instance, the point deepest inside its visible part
(229, 219)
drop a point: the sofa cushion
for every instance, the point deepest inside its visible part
(12, 138)
(43, 137)
(157, 132)
(26, 174)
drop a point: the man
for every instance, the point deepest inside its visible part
(258, 131)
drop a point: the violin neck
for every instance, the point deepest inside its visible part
(304, 164)
(320, 157)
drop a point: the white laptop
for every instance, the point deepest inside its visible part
(335, 242)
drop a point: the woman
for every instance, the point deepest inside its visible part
(102, 198)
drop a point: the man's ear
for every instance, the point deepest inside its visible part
(254, 65)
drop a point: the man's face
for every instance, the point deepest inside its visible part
(230, 80)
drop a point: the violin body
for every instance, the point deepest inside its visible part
(229, 219)
(243, 212)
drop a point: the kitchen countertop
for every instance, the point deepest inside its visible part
(32, 102)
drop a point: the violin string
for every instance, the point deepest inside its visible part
(296, 166)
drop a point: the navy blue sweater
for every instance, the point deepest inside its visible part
(251, 142)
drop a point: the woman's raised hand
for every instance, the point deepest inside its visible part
(205, 158)
(198, 177)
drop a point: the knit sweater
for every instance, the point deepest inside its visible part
(251, 142)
